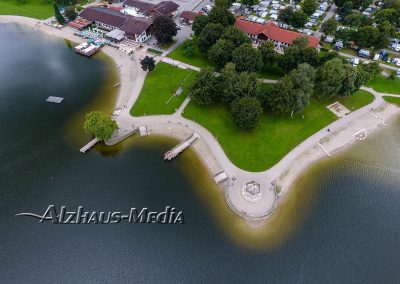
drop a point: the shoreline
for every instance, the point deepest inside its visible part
(284, 173)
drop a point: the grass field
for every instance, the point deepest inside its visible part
(198, 58)
(392, 100)
(385, 85)
(275, 135)
(29, 8)
(159, 86)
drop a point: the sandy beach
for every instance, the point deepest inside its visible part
(284, 173)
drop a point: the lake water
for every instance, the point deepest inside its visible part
(340, 224)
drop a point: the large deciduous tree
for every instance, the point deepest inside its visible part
(247, 58)
(298, 53)
(236, 36)
(148, 63)
(309, 6)
(221, 15)
(246, 112)
(209, 36)
(205, 89)
(164, 29)
(329, 27)
(329, 79)
(221, 53)
(238, 85)
(199, 23)
(100, 125)
(268, 53)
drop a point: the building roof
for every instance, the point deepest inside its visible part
(272, 32)
(165, 8)
(188, 15)
(135, 25)
(141, 5)
(129, 24)
(103, 15)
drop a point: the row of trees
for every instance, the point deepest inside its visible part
(332, 76)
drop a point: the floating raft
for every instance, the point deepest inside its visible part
(55, 100)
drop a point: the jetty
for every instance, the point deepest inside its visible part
(181, 147)
(89, 145)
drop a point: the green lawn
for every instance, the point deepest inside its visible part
(29, 8)
(275, 136)
(385, 85)
(198, 58)
(159, 87)
(392, 100)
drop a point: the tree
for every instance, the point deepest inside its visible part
(148, 63)
(239, 85)
(60, 19)
(390, 15)
(354, 19)
(164, 29)
(205, 89)
(223, 3)
(247, 58)
(309, 7)
(345, 35)
(295, 55)
(100, 125)
(220, 15)
(367, 36)
(329, 27)
(209, 36)
(346, 9)
(70, 13)
(199, 23)
(246, 112)
(221, 53)
(268, 53)
(328, 56)
(371, 68)
(293, 92)
(395, 4)
(386, 31)
(188, 47)
(299, 19)
(329, 79)
(236, 36)
(285, 15)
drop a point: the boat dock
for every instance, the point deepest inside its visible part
(89, 145)
(181, 147)
(87, 49)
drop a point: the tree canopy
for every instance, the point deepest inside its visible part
(148, 63)
(99, 125)
(246, 112)
(205, 89)
(221, 53)
(199, 23)
(247, 58)
(164, 29)
(209, 36)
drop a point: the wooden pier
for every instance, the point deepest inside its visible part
(89, 145)
(181, 147)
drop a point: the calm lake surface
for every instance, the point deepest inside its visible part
(350, 233)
